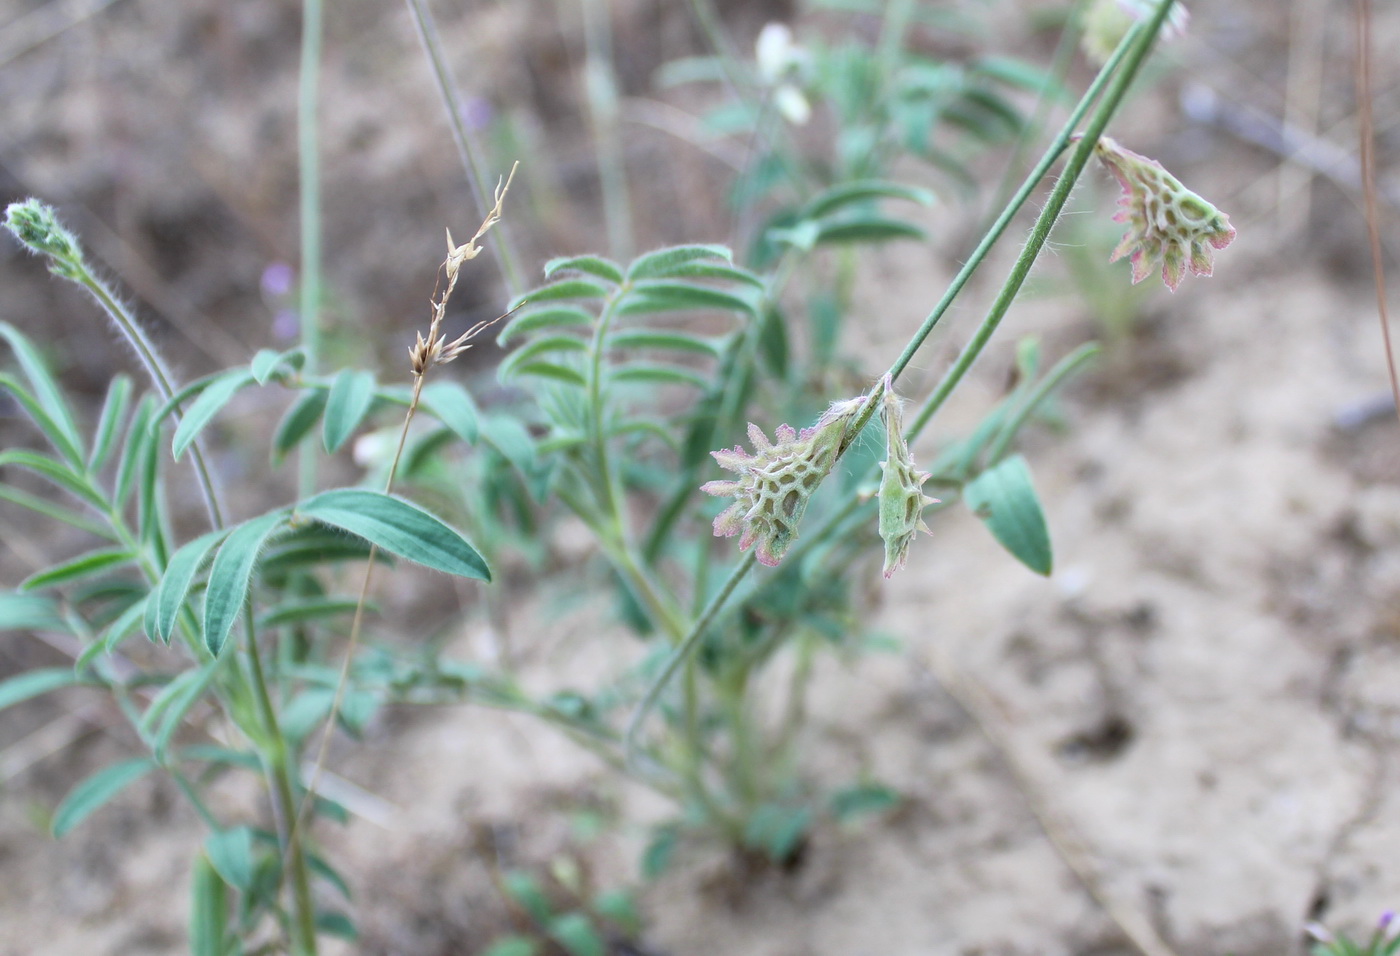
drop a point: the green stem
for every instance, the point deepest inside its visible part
(309, 177)
(468, 148)
(1131, 52)
(1063, 369)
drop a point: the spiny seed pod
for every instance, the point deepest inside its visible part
(902, 499)
(1165, 220)
(777, 480)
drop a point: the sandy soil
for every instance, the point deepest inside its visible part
(1188, 736)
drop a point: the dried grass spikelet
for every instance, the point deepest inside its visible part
(434, 349)
(777, 480)
(901, 496)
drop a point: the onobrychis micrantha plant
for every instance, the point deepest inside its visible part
(1167, 221)
(902, 498)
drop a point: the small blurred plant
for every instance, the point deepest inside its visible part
(635, 377)
(1384, 939)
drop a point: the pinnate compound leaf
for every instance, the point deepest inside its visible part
(397, 526)
(176, 581)
(96, 790)
(657, 263)
(1005, 499)
(350, 397)
(593, 265)
(218, 393)
(231, 853)
(232, 574)
(553, 317)
(452, 405)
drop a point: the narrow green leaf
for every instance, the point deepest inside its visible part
(208, 909)
(231, 853)
(654, 264)
(96, 790)
(336, 924)
(666, 295)
(558, 373)
(576, 934)
(323, 869)
(511, 439)
(167, 711)
(210, 402)
(175, 583)
(861, 191)
(862, 800)
(593, 265)
(452, 405)
(312, 545)
(109, 423)
(31, 612)
(126, 624)
(777, 830)
(36, 682)
(398, 527)
(1005, 499)
(268, 361)
(57, 473)
(563, 289)
(232, 574)
(83, 566)
(867, 229)
(297, 423)
(46, 390)
(57, 512)
(538, 348)
(296, 612)
(350, 397)
(658, 374)
(512, 945)
(222, 756)
(138, 434)
(43, 421)
(554, 317)
(711, 270)
(648, 339)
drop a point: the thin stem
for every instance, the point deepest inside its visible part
(309, 189)
(1131, 52)
(1062, 370)
(601, 87)
(468, 148)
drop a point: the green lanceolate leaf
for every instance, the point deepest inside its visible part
(138, 434)
(109, 423)
(176, 581)
(34, 683)
(297, 423)
(553, 317)
(712, 270)
(861, 191)
(46, 390)
(563, 289)
(867, 228)
(542, 346)
(168, 708)
(653, 373)
(654, 264)
(232, 574)
(678, 341)
(558, 373)
(231, 853)
(452, 405)
(83, 566)
(667, 295)
(593, 265)
(96, 790)
(43, 421)
(31, 612)
(57, 512)
(210, 402)
(398, 527)
(1005, 499)
(300, 611)
(56, 472)
(350, 397)
(576, 934)
(268, 361)
(208, 909)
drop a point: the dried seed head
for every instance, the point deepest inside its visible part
(902, 499)
(1108, 21)
(777, 480)
(1165, 220)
